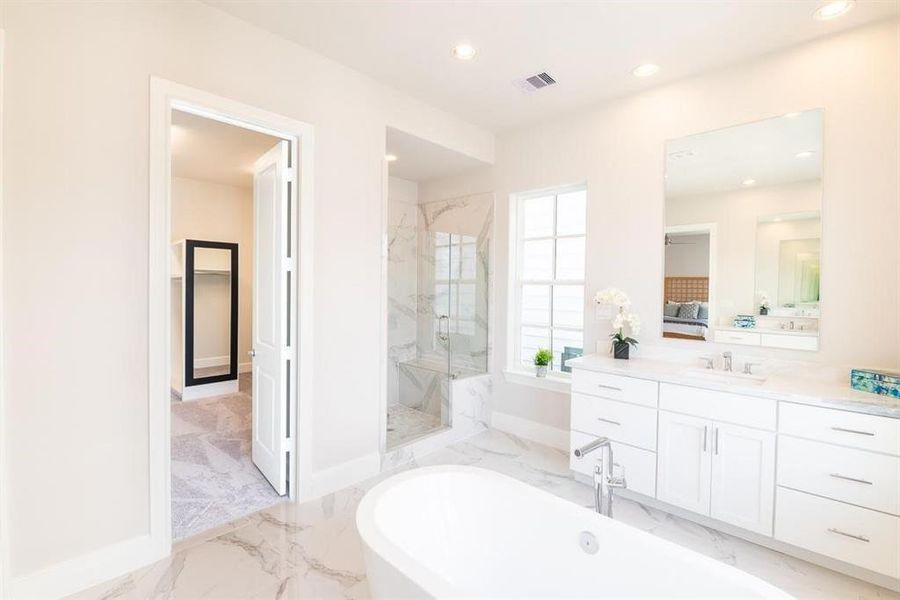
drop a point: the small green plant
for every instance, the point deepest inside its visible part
(542, 357)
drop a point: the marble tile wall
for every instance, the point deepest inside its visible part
(469, 416)
(402, 284)
(454, 244)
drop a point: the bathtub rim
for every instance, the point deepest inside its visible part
(439, 587)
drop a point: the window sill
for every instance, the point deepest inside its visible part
(554, 383)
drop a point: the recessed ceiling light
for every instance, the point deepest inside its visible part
(804, 154)
(645, 70)
(791, 115)
(833, 10)
(749, 182)
(390, 157)
(464, 52)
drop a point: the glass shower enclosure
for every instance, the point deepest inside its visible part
(438, 323)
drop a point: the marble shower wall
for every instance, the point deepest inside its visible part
(454, 279)
(402, 283)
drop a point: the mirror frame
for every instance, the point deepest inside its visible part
(189, 379)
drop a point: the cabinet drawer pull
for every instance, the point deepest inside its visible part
(609, 387)
(716, 441)
(704, 437)
(856, 431)
(610, 421)
(861, 538)
(845, 478)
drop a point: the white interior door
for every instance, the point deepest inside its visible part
(684, 457)
(270, 352)
(743, 477)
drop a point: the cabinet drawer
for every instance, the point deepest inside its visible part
(855, 476)
(791, 342)
(615, 387)
(639, 466)
(747, 338)
(868, 432)
(719, 406)
(621, 422)
(859, 536)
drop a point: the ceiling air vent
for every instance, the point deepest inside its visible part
(532, 83)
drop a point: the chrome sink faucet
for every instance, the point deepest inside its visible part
(604, 480)
(727, 366)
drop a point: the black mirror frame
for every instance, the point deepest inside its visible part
(189, 379)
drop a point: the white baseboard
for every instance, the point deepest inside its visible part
(326, 481)
(531, 430)
(206, 390)
(79, 573)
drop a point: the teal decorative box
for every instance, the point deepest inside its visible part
(885, 384)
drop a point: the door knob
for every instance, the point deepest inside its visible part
(252, 352)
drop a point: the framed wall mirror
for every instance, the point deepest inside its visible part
(211, 312)
(743, 234)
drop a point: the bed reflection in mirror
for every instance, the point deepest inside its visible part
(743, 234)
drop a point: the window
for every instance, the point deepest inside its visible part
(455, 258)
(547, 302)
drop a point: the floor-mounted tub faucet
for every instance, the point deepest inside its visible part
(604, 480)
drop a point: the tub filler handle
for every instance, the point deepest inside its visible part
(605, 478)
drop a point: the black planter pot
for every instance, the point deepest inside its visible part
(620, 350)
(763, 310)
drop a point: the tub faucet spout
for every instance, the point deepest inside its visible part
(604, 479)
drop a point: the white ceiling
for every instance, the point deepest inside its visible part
(590, 47)
(420, 160)
(213, 151)
(719, 161)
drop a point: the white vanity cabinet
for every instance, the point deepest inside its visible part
(719, 469)
(839, 485)
(835, 492)
(622, 409)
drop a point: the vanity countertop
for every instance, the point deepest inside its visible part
(798, 388)
(772, 330)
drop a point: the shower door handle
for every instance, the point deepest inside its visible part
(441, 334)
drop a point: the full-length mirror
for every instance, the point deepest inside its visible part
(211, 311)
(743, 233)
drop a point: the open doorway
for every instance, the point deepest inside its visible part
(227, 412)
(688, 281)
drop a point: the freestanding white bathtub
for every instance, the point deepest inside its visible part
(465, 532)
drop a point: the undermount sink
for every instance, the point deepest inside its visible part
(727, 377)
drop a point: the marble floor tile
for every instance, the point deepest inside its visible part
(312, 550)
(214, 480)
(406, 424)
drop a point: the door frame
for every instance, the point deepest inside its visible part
(166, 96)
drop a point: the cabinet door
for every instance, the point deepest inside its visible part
(743, 477)
(684, 461)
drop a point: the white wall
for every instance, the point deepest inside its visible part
(688, 256)
(618, 149)
(203, 210)
(75, 247)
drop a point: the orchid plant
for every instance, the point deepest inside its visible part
(625, 320)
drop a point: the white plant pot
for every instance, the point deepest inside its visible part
(540, 370)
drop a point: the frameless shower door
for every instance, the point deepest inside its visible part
(449, 302)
